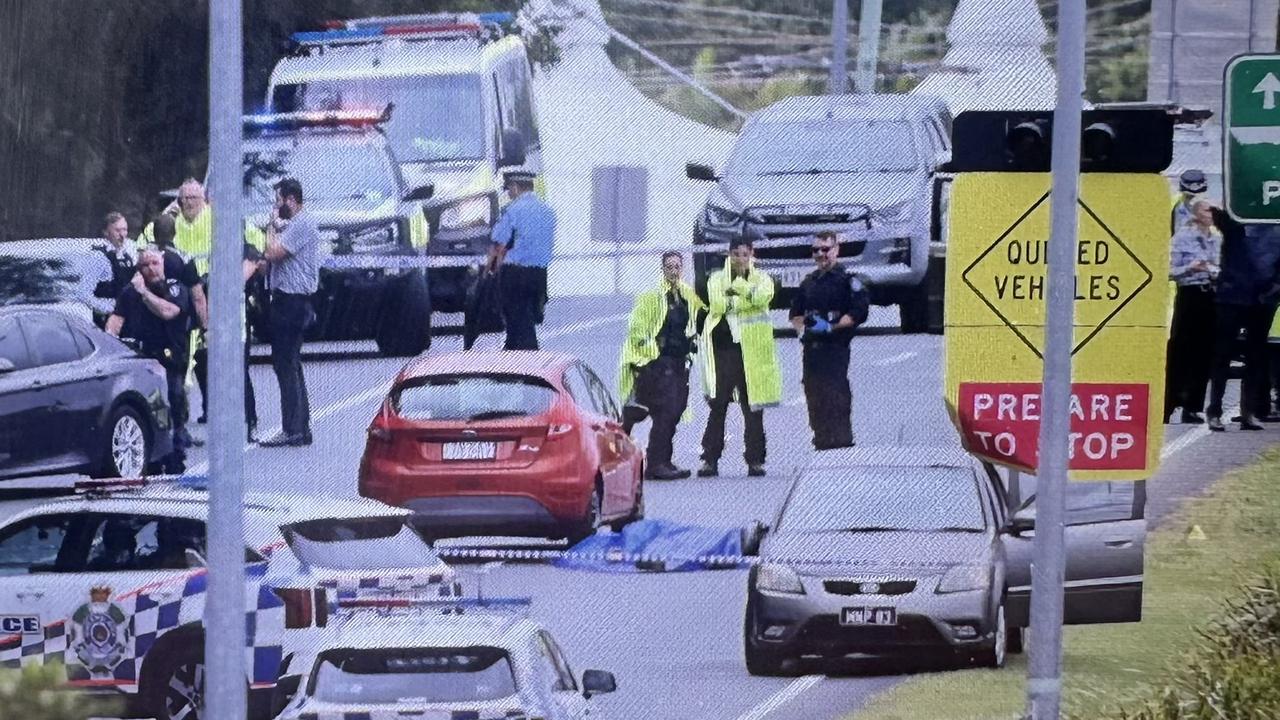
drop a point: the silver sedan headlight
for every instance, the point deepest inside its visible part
(963, 578)
(778, 578)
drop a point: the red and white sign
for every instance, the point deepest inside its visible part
(1001, 422)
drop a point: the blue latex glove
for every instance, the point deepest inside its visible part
(820, 326)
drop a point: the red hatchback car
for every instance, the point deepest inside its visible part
(503, 443)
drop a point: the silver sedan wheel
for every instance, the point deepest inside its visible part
(128, 447)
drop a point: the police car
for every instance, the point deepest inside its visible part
(462, 87)
(110, 583)
(472, 659)
(371, 222)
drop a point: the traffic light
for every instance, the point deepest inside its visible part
(1128, 140)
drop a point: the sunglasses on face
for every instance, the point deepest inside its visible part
(820, 250)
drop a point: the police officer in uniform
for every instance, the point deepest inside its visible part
(1191, 186)
(828, 306)
(523, 240)
(156, 312)
(122, 265)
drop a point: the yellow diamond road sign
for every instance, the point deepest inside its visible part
(1010, 276)
(995, 320)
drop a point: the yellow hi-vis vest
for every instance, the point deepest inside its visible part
(747, 313)
(648, 315)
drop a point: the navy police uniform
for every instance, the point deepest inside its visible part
(830, 296)
(166, 341)
(123, 264)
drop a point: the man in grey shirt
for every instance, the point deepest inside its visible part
(294, 275)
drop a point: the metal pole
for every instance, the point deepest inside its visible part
(1044, 685)
(868, 46)
(839, 80)
(225, 610)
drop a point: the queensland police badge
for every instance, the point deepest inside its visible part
(99, 633)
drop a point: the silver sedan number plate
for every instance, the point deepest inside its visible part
(470, 451)
(868, 616)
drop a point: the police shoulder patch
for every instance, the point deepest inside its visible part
(856, 284)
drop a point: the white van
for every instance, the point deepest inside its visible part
(463, 112)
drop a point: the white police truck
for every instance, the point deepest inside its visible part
(461, 87)
(110, 584)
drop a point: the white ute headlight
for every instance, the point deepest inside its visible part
(720, 217)
(964, 577)
(778, 578)
(467, 213)
(895, 214)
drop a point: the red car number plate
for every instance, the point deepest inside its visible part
(470, 451)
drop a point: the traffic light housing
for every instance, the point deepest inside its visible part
(1129, 140)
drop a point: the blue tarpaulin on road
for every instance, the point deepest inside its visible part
(657, 545)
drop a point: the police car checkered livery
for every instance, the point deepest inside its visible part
(110, 584)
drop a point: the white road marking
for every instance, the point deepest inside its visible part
(894, 359)
(381, 387)
(1191, 436)
(782, 697)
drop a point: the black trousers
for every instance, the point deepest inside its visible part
(523, 288)
(827, 395)
(291, 315)
(1190, 351)
(179, 408)
(731, 376)
(202, 379)
(1255, 321)
(1273, 361)
(662, 387)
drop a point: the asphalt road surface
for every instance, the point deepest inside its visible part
(675, 640)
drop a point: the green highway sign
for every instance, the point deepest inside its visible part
(1251, 138)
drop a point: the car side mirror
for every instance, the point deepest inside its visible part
(1023, 521)
(698, 171)
(7, 366)
(421, 193)
(752, 535)
(195, 559)
(513, 148)
(598, 682)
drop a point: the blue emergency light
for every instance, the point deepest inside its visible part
(357, 31)
(316, 118)
(114, 485)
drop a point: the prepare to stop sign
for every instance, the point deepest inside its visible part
(1108, 423)
(997, 282)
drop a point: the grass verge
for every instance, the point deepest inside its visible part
(1110, 667)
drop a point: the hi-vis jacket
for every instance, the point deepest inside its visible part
(747, 313)
(648, 315)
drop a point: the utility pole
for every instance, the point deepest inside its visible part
(224, 647)
(868, 46)
(839, 81)
(1044, 681)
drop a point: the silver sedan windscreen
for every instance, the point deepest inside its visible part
(811, 147)
(413, 675)
(875, 499)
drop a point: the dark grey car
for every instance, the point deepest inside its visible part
(74, 399)
(918, 551)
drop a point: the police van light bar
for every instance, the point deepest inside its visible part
(108, 486)
(317, 118)
(356, 31)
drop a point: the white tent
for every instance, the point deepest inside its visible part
(995, 59)
(592, 116)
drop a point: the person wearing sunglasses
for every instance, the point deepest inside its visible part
(829, 304)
